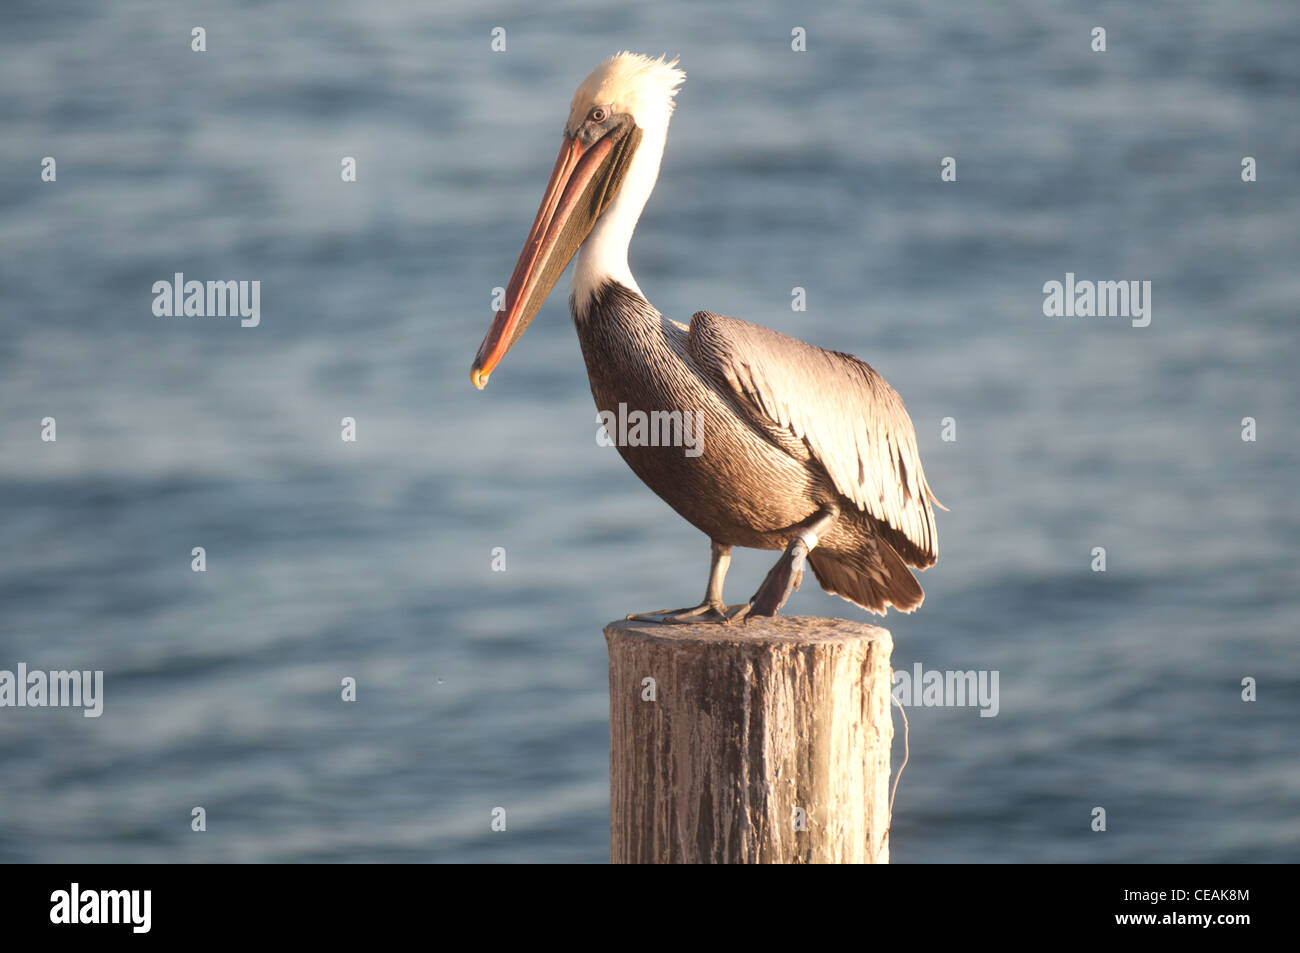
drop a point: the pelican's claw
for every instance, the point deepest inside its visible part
(703, 613)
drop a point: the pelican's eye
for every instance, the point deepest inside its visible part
(598, 114)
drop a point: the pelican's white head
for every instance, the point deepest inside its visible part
(629, 83)
(607, 167)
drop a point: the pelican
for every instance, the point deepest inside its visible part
(802, 450)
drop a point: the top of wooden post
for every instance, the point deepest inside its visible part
(762, 630)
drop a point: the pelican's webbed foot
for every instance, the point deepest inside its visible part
(781, 581)
(784, 578)
(712, 609)
(705, 612)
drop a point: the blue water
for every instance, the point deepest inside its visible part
(373, 559)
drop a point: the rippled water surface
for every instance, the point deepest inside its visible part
(372, 559)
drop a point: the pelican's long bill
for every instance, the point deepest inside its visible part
(586, 177)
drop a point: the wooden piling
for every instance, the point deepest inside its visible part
(766, 742)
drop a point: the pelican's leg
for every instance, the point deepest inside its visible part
(784, 578)
(712, 609)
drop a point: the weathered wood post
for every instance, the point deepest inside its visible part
(766, 742)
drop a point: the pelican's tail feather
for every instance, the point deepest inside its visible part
(874, 578)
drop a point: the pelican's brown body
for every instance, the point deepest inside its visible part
(800, 448)
(754, 480)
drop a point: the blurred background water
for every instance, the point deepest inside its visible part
(372, 559)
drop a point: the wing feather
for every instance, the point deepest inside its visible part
(852, 422)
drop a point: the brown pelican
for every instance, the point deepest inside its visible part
(803, 450)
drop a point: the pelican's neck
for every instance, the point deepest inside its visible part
(603, 256)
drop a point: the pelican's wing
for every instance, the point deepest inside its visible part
(852, 422)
